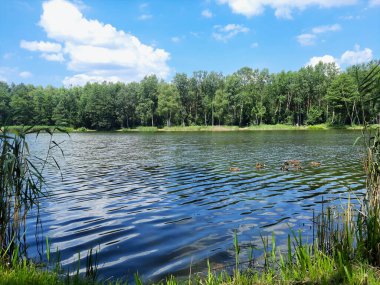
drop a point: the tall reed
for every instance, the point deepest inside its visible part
(21, 184)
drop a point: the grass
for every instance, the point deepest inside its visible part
(262, 127)
(199, 128)
(216, 128)
(40, 128)
(301, 264)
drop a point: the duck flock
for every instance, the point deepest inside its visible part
(286, 166)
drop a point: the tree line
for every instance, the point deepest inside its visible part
(311, 95)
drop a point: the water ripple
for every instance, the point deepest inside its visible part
(157, 203)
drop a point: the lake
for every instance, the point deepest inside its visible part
(158, 203)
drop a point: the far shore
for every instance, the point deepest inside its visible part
(216, 128)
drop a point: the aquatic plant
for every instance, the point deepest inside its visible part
(21, 182)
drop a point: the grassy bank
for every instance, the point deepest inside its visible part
(302, 263)
(34, 129)
(262, 127)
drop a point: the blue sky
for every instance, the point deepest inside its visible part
(62, 42)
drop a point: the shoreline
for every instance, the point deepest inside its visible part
(277, 127)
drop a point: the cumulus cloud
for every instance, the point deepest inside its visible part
(41, 46)
(207, 13)
(25, 74)
(225, 33)
(349, 57)
(356, 56)
(254, 45)
(98, 51)
(325, 59)
(283, 8)
(306, 39)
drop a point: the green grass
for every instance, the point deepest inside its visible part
(224, 128)
(277, 127)
(141, 129)
(199, 128)
(216, 128)
(27, 274)
(44, 128)
(304, 267)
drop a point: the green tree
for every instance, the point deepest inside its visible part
(343, 96)
(148, 98)
(221, 105)
(168, 102)
(127, 100)
(182, 84)
(4, 102)
(22, 104)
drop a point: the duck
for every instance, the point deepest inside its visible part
(297, 167)
(234, 169)
(285, 166)
(294, 162)
(260, 165)
(315, 164)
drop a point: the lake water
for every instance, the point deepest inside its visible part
(158, 203)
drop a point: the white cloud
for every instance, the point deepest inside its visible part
(25, 74)
(53, 57)
(254, 45)
(325, 29)
(347, 58)
(306, 39)
(356, 56)
(207, 13)
(283, 8)
(325, 59)
(145, 17)
(283, 13)
(82, 79)
(96, 51)
(225, 33)
(310, 39)
(374, 3)
(41, 46)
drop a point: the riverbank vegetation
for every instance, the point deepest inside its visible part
(216, 128)
(248, 97)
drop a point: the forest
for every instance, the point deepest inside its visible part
(311, 95)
